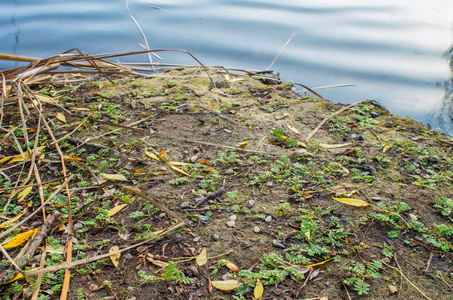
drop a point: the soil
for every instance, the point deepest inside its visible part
(242, 141)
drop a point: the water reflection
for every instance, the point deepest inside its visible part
(444, 119)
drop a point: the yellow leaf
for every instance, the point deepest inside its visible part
(19, 158)
(19, 276)
(201, 258)
(115, 257)
(152, 155)
(307, 234)
(20, 239)
(116, 209)
(259, 289)
(61, 117)
(10, 222)
(352, 202)
(333, 146)
(44, 98)
(51, 249)
(386, 148)
(177, 163)
(230, 266)
(114, 177)
(72, 157)
(179, 171)
(318, 264)
(226, 285)
(242, 145)
(210, 170)
(293, 129)
(6, 158)
(24, 193)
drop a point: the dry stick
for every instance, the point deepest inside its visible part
(4, 95)
(5, 253)
(311, 90)
(407, 280)
(39, 279)
(153, 202)
(91, 259)
(111, 124)
(328, 118)
(28, 255)
(8, 231)
(34, 184)
(281, 50)
(218, 114)
(212, 195)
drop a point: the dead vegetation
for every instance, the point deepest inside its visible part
(208, 183)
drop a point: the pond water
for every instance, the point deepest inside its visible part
(395, 52)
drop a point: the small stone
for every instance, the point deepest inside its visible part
(230, 223)
(229, 172)
(203, 219)
(178, 238)
(77, 226)
(393, 289)
(298, 153)
(270, 183)
(256, 229)
(374, 114)
(184, 205)
(233, 217)
(227, 131)
(413, 217)
(375, 198)
(277, 244)
(128, 256)
(268, 219)
(197, 239)
(227, 276)
(162, 215)
(215, 237)
(196, 150)
(419, 239)
(250, 203)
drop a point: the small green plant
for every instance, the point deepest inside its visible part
(359, 273)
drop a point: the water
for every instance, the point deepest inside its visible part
(393, 51)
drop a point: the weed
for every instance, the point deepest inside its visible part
(360, 273)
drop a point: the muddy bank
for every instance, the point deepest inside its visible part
(358, 207)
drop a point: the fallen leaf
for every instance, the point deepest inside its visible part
(293, 129)
(163, 154)
(324, 298)
(177, 163)
(20, 239)
(393, 289)
(226, 285)
(230, 266)
(242, 145)
(227, 77)
(23, 194)
(352, 202)
(72, 157)
(204, 161)
(210, 170)
(116, 209)
(19, 276)
(10, 222)
(318, 264)
(157, 263)
(114, 177)
(201, 258)
(259, 289)
(307, 234)
(333, 146)
(44, 98)
(61, 117)
(179, 171)
(386, 148)
(115, 257)
(314, 274)
(60, 249)
(152, 155)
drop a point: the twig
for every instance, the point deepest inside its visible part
(25, 259)
(218, 114)
(429, 262)
(212, 195)
(328, 118)
(407, 280)
(281, 50)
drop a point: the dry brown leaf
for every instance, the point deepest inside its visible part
(204, 161)
(352, 202)
(157, 263)
(201, 258)
(116, 209)
(177, 163)
(61, 117)
(114, 177)
(259, 289)
(20, 239)
(115, 257)
(226, 285)
(163, 154)
(334, 146)
(179, 171)
(293, 129)
(152, 155)
(230, 266)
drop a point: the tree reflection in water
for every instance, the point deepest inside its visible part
(444, 118)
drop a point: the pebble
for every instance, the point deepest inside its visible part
(413, 217)
(229, 172)
(233, 217)
(256, 229)
(374, 114)
(77, 226)
(197, 239)
(250, 203)
(268, 219)
(277, 244)
(128, 256)
(215, 237)
(418, 239)
(203, 219)
(375, 198)
(162, 215)
(184, 205)
(230, 223)
(227, 276)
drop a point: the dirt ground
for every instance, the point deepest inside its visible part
(360, 210)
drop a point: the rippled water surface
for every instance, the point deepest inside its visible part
(393, 51)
